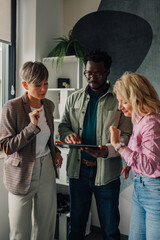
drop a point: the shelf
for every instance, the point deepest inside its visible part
(65, 59)
(57, 120)
(64, 150)
(61, 89)
(62, 183)
(71, 68)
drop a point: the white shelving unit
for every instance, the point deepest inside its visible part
(63, 93)
(71, 68)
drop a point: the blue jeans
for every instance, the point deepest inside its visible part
(107, 200)
(145, 218)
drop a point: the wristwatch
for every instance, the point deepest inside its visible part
(119, 146)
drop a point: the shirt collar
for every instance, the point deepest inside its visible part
(25, 98)
(110, 89)
(137, 119)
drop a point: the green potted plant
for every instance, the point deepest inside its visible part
(67, 45)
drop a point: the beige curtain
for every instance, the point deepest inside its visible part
(5, 21)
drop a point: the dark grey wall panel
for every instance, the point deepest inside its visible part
(132, 36)
(126, 37)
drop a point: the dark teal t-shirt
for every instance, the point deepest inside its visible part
(90, 122)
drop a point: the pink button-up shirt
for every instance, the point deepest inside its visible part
(143, 151)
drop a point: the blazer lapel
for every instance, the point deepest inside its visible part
(26, 106)
(47, 114)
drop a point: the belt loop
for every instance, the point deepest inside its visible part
(140, 179)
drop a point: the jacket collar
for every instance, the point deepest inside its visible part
(47, 112)
(25, 98)
(137, 119)
(26, 106)
(110, 89)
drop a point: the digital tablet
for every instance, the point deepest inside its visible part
(66, 145)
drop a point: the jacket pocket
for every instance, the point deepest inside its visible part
(12, 161)
(111, 117)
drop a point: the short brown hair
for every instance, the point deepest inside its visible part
(33, 72)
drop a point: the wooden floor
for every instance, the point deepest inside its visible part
(97, 235)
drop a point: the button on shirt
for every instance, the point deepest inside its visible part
(143, 151)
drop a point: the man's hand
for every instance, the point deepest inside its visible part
(102, 151)
(73, 138)
(126, 171)
(58, 160)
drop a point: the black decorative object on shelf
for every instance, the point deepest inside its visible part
(63, 82)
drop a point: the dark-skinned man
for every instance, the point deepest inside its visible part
(89, 112)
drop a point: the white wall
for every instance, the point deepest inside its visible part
(48, 25)
(75, 9)
(0, 78)
(26, 28)
(38, 23)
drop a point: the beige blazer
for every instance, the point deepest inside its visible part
(18, 141)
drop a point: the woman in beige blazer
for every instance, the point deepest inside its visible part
(31, 158)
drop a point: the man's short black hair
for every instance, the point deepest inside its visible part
(98, 56)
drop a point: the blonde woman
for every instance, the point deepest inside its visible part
(26, 137)
(139, 100)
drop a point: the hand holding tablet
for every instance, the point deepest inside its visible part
(71, 145)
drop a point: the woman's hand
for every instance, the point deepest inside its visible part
(34, 116)
(115, 135)
(58, 160)
(73, 138)
(126, 171)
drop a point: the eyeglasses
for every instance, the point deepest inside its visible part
(88, 75)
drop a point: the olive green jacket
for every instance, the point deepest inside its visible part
(108, 169)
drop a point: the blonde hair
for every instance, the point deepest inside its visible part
(139, 92)
(33, 72)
